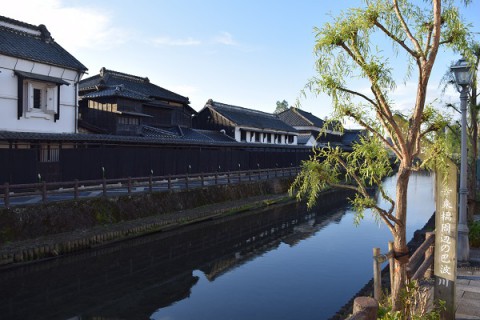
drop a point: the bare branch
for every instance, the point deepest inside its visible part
(407, 29)
(361, 95)
(429, 39)
(396, 39)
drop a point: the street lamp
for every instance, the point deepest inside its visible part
(463, 78)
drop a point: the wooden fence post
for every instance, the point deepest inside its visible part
(377, 276)
(104, 186)
(7, 195)
(428, 253)
(75, 190)
(44, 192)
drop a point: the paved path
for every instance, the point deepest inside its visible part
(468, 289)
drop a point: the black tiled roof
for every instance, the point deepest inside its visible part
(153, 137)
(249, 118)
(187, 134)
(111, 79)
(117, 91)
(299, 118)
(303, 138)
(351, 136)
(36, 44)
(164, 138)
(215, 135)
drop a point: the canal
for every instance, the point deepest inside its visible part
(280, 263)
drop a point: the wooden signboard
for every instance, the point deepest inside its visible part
(445, 268)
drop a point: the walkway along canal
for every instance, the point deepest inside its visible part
(279, 263)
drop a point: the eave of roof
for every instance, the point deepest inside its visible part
(115, 139)
(40, 77)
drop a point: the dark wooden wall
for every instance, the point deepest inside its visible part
(85, 161)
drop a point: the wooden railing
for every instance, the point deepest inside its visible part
(420, 264)
(126, 185)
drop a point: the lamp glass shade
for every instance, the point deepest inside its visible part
(462, 71)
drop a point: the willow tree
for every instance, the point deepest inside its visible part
(348, 57)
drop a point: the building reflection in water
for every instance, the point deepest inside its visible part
(133, 279)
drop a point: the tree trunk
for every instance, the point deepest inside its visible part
(400, 239)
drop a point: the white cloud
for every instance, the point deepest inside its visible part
(72, 27)
(225, 38)
(167, 41)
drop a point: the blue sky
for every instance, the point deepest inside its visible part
(247, 53)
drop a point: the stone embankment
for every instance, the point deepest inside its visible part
(46, 231)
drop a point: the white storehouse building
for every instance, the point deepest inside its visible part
(38, 80)
(245, 125)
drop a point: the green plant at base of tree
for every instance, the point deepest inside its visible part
(416, 305)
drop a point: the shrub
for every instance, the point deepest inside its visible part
(474, 234)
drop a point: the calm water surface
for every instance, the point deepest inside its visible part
(283, 263)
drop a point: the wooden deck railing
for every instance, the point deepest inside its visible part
(420, 264)
(126, 185)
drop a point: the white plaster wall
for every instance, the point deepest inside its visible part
(237, 134)
(8, 98)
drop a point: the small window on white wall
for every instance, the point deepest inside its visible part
(37, 98)
(40, 98)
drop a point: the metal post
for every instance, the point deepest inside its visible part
(129, 186)
(150, 184)
(463, 246)
(169, 182)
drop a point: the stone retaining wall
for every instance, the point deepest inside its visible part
(42, 231)
(40, 220)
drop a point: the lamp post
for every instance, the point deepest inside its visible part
(463, 79)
